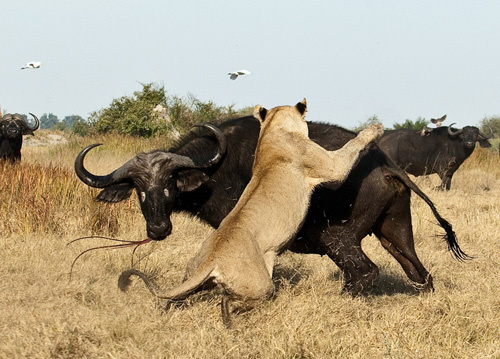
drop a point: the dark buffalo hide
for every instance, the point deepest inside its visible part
(12, 129)
(374, 199)
(441, 150)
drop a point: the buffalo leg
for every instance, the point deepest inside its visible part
(358, 270)
(396, 236)
(445, 181)
(225, 311)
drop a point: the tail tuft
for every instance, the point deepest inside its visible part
(451, 239)
(124, 280)
(450, 236)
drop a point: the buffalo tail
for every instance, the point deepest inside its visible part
(450, 237)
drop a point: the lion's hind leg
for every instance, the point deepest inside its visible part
(245, 295)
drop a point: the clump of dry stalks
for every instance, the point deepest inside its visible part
(50, 199)
(44, 206)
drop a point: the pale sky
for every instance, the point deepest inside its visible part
(351, 59)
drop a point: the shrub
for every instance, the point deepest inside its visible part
(50, 199)
(362, 125)
(492, 122)
(417, 125)
(131, 115)
(80, 127)
(150, 112)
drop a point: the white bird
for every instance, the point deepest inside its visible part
(234, 75)
(32, 65)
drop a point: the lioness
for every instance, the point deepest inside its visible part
(240, 254)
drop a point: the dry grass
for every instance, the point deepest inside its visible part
(45, 315)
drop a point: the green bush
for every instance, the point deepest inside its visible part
(493, 123)
(417, 125)
(370, 121)
(80, 127)
(131, 115)
(151, 112)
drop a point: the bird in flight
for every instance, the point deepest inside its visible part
(234, 75)
(438, 121)
(32, 65)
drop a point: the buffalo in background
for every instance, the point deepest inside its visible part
(12, 129)
(441, 150)
(201, 176)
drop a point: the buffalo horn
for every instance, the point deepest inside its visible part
(221, 149)
(180, 161)
(486, 137)
(177, 161)
(454, 133)
(36, 125)
(94, 180)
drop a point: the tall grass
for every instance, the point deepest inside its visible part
(45, 315)
(50, 199)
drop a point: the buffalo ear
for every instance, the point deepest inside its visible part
(484, 143)
(302, 107)
(115, 193)
(27, 131)
(190, 180)
(260, 113)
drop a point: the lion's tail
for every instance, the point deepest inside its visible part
(191, 285)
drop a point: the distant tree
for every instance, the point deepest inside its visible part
(417, 125)
(370, 121)
(69, 121)
(59, 126)
(48, 121)
(131, 115)
(151, 111)
(492, 122)
(185, 112)
(81, 127)
(246, 111)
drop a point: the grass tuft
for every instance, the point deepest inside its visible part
(43, 206)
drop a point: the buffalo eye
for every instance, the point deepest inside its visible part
(166, 192)
(143, 196)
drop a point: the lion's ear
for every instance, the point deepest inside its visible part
(260, 113)
(302, 107)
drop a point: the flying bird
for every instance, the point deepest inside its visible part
(234, 75)
(32, 65)
(438, 121)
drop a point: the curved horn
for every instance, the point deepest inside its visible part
(186, 162)
(484, 136)
(98, 181)
(36, 125)
(177, 160)
(222, 145)
(454, 133)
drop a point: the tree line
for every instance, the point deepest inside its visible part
(152, 112)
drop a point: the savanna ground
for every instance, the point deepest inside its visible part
(46, 314)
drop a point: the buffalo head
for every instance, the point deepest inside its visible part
(157, 177)
(14, 126)
(471, 134)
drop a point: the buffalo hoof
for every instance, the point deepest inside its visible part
(427, 286)
(356, 287)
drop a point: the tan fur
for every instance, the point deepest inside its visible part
(240, 254)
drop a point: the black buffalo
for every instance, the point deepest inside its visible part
(12, 129)
(441, 150)
(193, 177)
